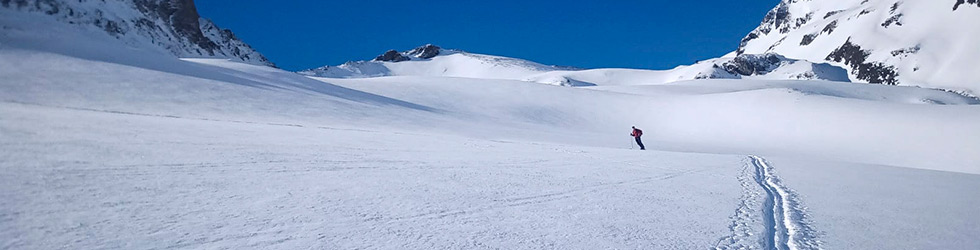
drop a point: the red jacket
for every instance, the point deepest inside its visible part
(636, 132)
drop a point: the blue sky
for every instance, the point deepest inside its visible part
(302, 34)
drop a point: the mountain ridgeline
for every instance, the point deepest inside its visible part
(431, 60)
(930, 43)
(172, 25)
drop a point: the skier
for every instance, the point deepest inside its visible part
(636, 134)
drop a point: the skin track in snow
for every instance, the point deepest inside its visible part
(769, 215)
(745, 221)
(787, 226)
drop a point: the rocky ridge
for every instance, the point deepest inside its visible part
(173, 25)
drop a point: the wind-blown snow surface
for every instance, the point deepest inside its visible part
(124, 149)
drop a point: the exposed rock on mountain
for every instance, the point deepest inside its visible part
(430, 60)
(873, 72)
(968, 2)
(427, 51)
(172, 25)
(392, 56)
(903, 42)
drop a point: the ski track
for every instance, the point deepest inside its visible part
(785, 224)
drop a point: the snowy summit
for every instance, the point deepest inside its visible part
(908, 42)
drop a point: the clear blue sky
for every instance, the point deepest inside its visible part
(653, 34)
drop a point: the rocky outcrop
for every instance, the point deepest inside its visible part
(968, 2)
(779, 19)
(392, 56)
(173, 25)
(748, 65)
(906, 42)
(427, 51)
(182, 17)
(874, 72)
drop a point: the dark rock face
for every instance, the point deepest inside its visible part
(865, 12)
(906, 51)
(779, 19)
(895, 7)
(183, 17)
(832, 13)
(776, 18)
(425, 52)
(800, 22)
(968, 2)
(174, 25)
(748, 65)
(745, 41)
(896, 19)
(830, 27)
(780, 42)
(391, 56)
(808, 39)
(874, 72)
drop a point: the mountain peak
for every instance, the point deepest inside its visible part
(171, 25)
(895, 42)
(392, 56)
(423, 52)
(427, 51)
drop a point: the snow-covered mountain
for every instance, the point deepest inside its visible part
(431, 60)
(911, 42)
(172, 26)
(768, 66)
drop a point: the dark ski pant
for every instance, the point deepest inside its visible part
(640, 142)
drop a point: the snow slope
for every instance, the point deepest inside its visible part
(241, 156)
(895, 126)
(911, 42)
(112, 146)
(453, 63)
(754, 67)
(173, 182)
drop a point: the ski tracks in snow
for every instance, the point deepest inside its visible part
(784, 222)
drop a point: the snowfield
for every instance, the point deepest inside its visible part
(230, 155)
(164, 182)
(109, 145)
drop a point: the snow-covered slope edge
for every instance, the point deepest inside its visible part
(431, 60)
(910, 42)
(768, 66)
(173, 27)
